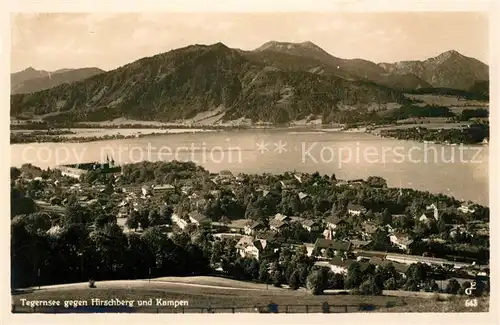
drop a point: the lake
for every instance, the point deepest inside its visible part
(458, 171)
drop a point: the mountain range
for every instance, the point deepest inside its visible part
(30, 80)
(276, 82)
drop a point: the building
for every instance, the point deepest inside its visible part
(355, 209)
(298, 177)
(457, 230)
(381, 261)
(77, 170)
(402, 241)
(181, 223)
(334, 221)
(199, 219)
(276, 225)
(288, 184)
(434, 209)
(281, 217)
(250, 248)
(252, 227)
(146, 191)
(160, 189)
(311, 225)
(368, 229)
(227, 236)
(466, 208)
(309, 248)
(337, 264)
(187, 189)
(360, 244)
(427, 216)
(339, 247)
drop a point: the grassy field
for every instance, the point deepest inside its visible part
(223, 296)
(448, 101)
(432, 306)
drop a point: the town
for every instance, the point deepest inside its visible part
(101, 221)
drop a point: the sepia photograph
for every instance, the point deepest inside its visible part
(249, 162)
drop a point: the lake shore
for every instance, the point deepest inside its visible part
(90, 135)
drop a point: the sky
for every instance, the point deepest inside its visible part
(51, 41)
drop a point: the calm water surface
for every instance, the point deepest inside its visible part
(451, 170)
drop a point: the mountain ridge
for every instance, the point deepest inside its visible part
(184, 82)
(32, 80)
(449, 69)
(352, 68)
(266, 84)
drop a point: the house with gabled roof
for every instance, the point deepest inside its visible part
(276, 225)
(281, 217)
(181, 223)
(253, 226)
(401, 240)
(427, 216)
(355, 209)
(338, 247)
(360, 244)
(199, 219)
(337, 264)
(288, 184)
(311, 225)
(248, 247)
(334, 221)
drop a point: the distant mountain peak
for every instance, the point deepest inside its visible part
(450, 53)
(219, 44)
(449, 69)
(276, 45)
(309, 44)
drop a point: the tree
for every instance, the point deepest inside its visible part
(453, 286)
(166, 214)
(418, 272)
(411, 285)
(465, 285)
(421, 229)
(481, 288)
(391, 284)
(294, 281)
(264, 272)
(277, 278)
(20, 204)
(441, 225)
(317, 282)
(252, 269)
(354, 276)
(370, 287)
(132, 221)
(376, 181)
(335, 281)
(14, 173)
(431, 286)
(103, 218)
(154, 218)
